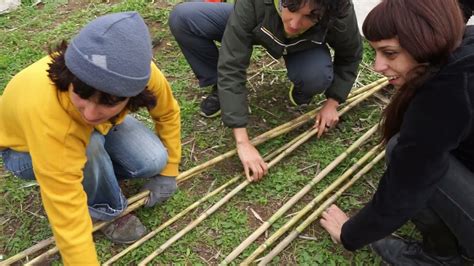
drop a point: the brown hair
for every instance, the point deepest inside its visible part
(62, 77)
(429, 30)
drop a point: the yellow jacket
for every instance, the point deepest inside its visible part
(36, 117)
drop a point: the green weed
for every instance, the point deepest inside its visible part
(25, 36)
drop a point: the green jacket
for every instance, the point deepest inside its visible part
(258, 22)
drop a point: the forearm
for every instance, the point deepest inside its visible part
(69, 217)
(241, 136)
(348, 51)
(234, 59)
(344, 77)
(166, 115)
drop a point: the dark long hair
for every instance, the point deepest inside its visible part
(429, 30)
(62, 77)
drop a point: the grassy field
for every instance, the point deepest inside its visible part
(25, 36)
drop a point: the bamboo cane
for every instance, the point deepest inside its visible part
(366, 93)
(181, 178)
(140, 200)
(277, 131)
(350, 103)
(171, 221)
(369, 92)
(224, 200)
(138, 196)
(356, 92)
(283, 244)
(177, 217)
(310, 206)
(284, 147)
(368, 86)
(236, 252)
(96, 227)
(31, 250)
(171, 241)
(49, 241)
(282, 129)
(137, 204)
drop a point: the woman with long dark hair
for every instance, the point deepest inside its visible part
(427, 53)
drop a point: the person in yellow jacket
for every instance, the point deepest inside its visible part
(64, 122)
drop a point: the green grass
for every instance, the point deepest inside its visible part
(25, 35)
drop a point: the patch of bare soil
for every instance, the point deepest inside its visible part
(77, 4)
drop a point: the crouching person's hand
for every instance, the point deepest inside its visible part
(161, 188)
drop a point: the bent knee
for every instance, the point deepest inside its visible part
(177, 18)
(150, 167)
(95, 148)
(315, 82)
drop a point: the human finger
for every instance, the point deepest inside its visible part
(317, 120)
(264, 167)
(325, 214)
(334, 122)
(321, 128)
(257, 172)
(247, 172)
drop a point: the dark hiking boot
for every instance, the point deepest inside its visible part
(297, 97)
(124, 230)
(210, 106)
(398, 252)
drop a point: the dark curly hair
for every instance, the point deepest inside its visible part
(325, 10)
(62, 77)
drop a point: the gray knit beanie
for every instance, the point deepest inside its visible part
(112, 54)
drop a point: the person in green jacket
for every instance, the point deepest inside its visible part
(299, 30)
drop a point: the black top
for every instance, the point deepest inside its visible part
(438, 122)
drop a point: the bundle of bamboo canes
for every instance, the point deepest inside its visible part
(189, 208)
(290, 203)
(138, 200)
(283, 244)
(240, 187)
(310, 206)
(225, 199)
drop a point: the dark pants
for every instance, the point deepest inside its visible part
(447, 222)
(197, 26)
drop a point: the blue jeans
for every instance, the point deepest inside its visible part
(196, 26)
(447, 222)
(129, 150)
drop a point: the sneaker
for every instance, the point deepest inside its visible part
(297, 97)
(210, 107)
(399, 252)
(124, 230)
